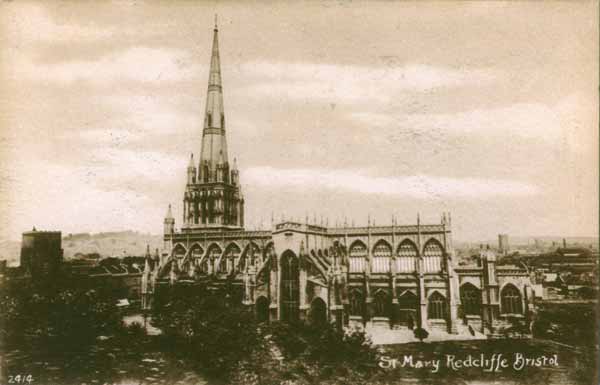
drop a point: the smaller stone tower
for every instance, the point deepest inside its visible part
(169, 222)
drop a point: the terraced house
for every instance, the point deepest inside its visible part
(394, 277)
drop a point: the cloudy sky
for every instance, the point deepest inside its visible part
(486, 110)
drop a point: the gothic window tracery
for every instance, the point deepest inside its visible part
(437, 307)
(470, 298)
(290, 287)
(407, 257)
(382, 253)
(357, 257)
(511, 300)
(432, 256)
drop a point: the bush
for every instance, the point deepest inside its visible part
(224, 340)
(316, 354)
(65, 316)
(421, 334)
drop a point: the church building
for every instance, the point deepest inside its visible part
(392, 277)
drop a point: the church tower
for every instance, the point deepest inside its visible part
(213, 198)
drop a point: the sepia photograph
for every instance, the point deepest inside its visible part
(299, 193)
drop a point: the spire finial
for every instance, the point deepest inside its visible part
(216, 16)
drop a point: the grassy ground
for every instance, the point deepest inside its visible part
(110, 361)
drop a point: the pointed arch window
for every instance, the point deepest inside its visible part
(437, 307)
(432, 256)
(407, 257)
(470, 297)
(209, 118)
(408, 301)
(290, 287)
(511, 300)
(357, 257)
(382, 253)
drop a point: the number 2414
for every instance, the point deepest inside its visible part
(20, 379)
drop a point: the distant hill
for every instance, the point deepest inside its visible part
(110, 244)
(119, 243)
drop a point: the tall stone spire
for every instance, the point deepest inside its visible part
(213, 197)
(213, 134)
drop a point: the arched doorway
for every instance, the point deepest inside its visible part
(408, 304)
(262, 309)
(290, 287)
(381, 304)
(357, 303)
(318, 312)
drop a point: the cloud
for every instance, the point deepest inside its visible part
(138, 64)
(351, 83)
(31, 22)
(135, 118)
(129, 166)
(565, 121)
(69, 199)
(418, 186)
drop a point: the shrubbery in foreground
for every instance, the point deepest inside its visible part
(223, 340)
